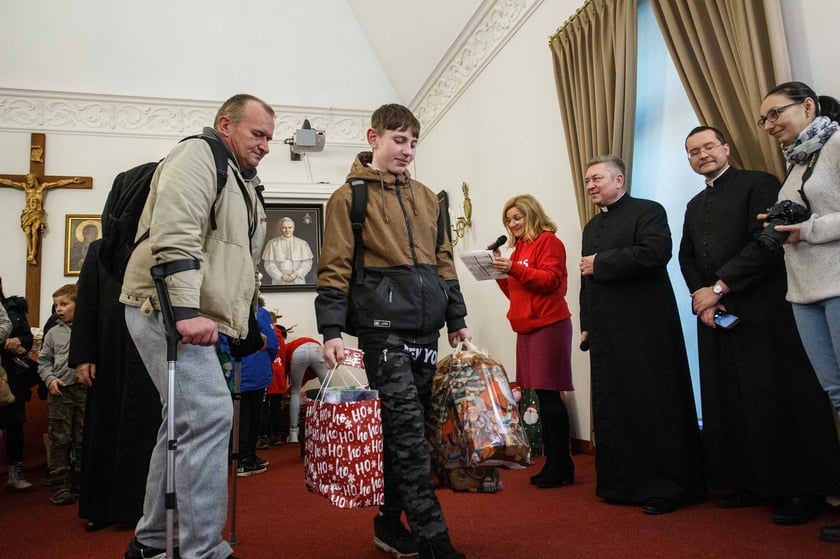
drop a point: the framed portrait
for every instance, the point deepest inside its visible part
(80, 231)
(289, 261)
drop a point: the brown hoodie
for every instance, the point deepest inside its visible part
(410, 281)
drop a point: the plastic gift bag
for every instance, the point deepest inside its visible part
(343, 445)
(487, 427)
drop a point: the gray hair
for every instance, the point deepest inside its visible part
(614, 162)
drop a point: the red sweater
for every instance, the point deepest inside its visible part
(536, 284)
(279, 381)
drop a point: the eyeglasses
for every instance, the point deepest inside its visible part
(697, 152)
(773, 114)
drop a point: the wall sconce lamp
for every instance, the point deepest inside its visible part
(464, 221)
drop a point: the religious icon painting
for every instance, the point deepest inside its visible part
(80, 231)
(289, 261)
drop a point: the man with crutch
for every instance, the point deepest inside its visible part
(203, 245)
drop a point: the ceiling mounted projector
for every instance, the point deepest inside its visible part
(306, 140)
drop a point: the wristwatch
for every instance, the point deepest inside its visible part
(717, 289)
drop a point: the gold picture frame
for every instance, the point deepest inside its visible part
(76, 241)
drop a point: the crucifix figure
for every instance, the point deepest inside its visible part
(33, 217)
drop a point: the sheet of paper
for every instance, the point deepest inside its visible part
(480, 265)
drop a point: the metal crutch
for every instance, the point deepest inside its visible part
(159, 273)
(237, 400)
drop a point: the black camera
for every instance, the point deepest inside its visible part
(784, 212)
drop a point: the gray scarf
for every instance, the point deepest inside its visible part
(812, 139)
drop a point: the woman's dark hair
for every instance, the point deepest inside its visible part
(798, 91)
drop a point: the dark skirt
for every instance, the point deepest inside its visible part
(544, 357)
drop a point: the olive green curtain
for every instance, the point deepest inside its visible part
(594, 55)
(724, 52)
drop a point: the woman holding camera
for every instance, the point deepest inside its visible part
(804, 124)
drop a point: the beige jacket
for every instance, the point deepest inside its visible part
(177, 216)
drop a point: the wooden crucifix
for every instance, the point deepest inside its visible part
(33, 217)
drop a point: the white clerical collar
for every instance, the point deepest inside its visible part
(606, 208)
(711, 182)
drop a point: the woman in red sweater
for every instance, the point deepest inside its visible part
(536, 287)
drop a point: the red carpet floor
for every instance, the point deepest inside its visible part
(277, 518)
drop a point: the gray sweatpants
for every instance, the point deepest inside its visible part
(203, 420)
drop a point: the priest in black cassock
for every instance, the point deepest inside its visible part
(768, 429)
(647, 441)
(123, 410)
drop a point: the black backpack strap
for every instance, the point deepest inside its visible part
(220, 156)
(358, 212)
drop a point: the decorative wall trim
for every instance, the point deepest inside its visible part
(112, 115)
(490, 28)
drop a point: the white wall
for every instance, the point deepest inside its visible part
(287, 52)
(813, 43)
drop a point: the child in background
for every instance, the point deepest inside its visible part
(65, 401)
(274, 421)
(255, 375)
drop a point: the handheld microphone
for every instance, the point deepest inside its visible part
(497, 243)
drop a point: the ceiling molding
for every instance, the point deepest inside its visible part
(492, 26)
(112, 115)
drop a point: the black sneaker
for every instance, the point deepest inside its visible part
(391, 536)
(249, 468)
(62, 497)
(439, 547)
(137, 550)
(798, 510)
(259, 461)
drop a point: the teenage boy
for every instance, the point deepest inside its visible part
(406, 249)
(65, 401)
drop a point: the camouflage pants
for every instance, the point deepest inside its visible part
(402, 371)
(66, 415)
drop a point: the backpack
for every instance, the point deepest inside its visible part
(127, 199)
(358, 212)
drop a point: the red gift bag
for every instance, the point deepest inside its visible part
(343, 446)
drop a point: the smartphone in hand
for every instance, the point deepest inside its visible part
(726, 320)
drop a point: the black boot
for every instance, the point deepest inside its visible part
(548, 452)
(560, 469)
(438, 547)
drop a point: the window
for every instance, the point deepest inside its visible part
(660, 168)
